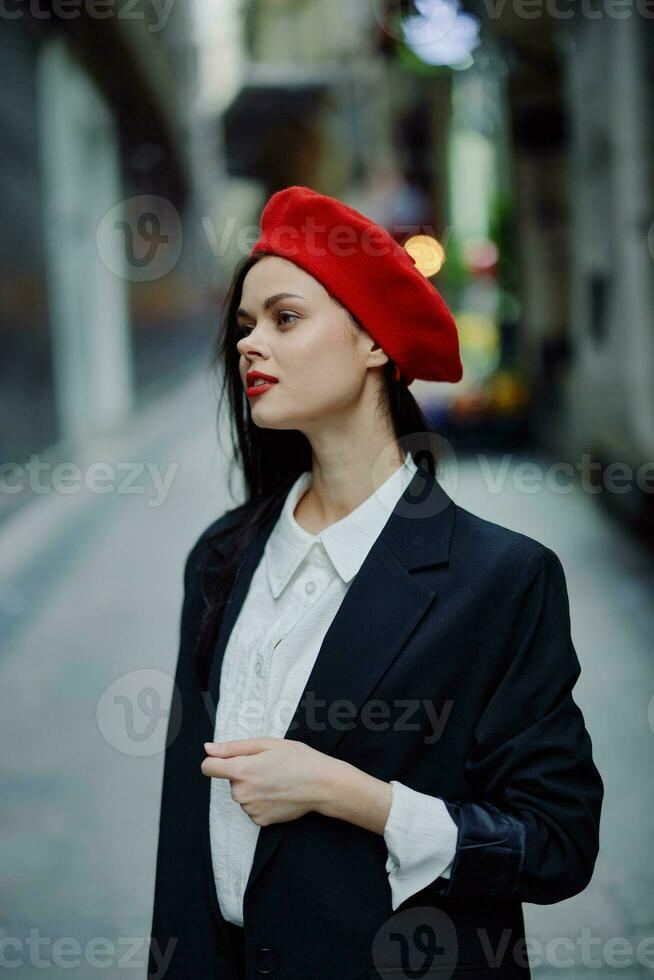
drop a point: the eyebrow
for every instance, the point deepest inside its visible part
(270, 301)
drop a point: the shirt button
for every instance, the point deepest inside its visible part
(310, 588)
(237, 887)
(258, 667)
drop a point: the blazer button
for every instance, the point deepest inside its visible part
(266, 960)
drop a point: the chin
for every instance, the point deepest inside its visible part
(263, 421)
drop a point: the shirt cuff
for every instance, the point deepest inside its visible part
(420, 837)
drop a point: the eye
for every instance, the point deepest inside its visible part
(285, 313)
(243, 329)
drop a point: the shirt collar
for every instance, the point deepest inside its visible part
(347, 541)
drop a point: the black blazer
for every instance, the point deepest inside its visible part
(449, 614)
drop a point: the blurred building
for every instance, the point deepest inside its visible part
(608, 396)
(104, 259)
(321, 103)
(580, 100)
(298, 116)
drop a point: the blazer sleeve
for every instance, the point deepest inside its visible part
(531, 833)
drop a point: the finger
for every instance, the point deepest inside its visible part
(238, 746)
(217, 768)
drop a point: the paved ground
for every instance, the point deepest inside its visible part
(100, 598)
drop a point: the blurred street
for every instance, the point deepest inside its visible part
(81, 808)
(80, 814)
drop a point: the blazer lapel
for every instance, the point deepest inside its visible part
(383, 605)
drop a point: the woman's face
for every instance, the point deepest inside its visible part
(306, 340)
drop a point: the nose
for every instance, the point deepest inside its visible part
(248, 337)
(252, 347)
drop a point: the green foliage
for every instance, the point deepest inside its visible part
(502, 232)
(454, 276)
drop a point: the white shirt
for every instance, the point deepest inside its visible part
(294, 595)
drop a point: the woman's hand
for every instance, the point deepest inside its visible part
(279, 779)
(273, 779)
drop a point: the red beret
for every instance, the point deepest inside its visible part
(371, 274)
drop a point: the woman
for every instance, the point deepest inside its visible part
(374, 756)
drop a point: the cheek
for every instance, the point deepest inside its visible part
(332, 357)
(333, 377)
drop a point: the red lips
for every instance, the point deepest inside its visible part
(252, 376)
(253, 389)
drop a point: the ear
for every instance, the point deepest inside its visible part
(377, 356)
